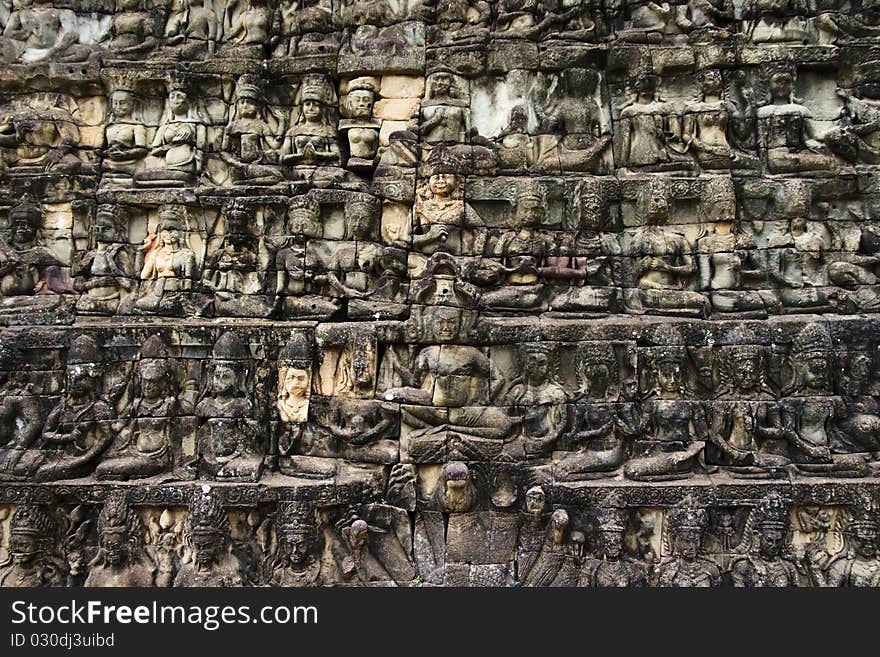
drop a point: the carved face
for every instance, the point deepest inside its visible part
(442, 184)
(311, 110)
(860, 367)
(530, 211)
(305, 221)
(207, 548)
(687, 543)
(771, 542)
(535, 501)
(225, 379)
(781, 85)
(446, 323)
(360, 103)
(595, 377)
(816, 371)
(536, 366)
(82, 381)
(296, 381)
(441, 85)
(612, 544)
(296, 546)
(24, 228)
(359, 216)
(105, 230)
(712, 83)
(122, 104)
(746, 369)
(24, 547)
(115, 547)
(152, 381)
(669, 376)
(247, 108)
(178, 102)
(865, 542)
(358, 534)
(169, 236)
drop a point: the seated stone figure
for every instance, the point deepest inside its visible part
(663, 261)
(601, 426)
(251, 139)
(228, 444)
(31, 275)
(105, 273)
(36, 31)
(179, 142)
(858, 564)
(145, 447)
(125, 140)
(674, 427)
(447, 387)
(78, 431)
(809, 407)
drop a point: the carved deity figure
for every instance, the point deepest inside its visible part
(237, 269)
(104, 275)
(745, 414)
(313, 138)
(30, 273)
(209, 560)
(132, 31)
(442, 220)
(674, 426)
(445, 111)
(125, 139)
(252, 137)
(574, 119)
(145, 446)
(305, 27)
(190, 30)
(78, 430)
(446, 387)
(786, 133)
(179, 142)
(122, 558)
(663, 260)
(246, 28)
(229, 445)
(766, 562)
(33, 558)
(601, 426)
(460, 22)
(538, 399)
(686, 567)
(358, 123)
(858, 565)
(614, 567)
(294, 562)
(21, 413)
(645, 129)
(809, 406)
(169, 267)
(515, 257)
(36, 32)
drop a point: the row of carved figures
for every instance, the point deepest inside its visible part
(648, 419)
(743, 120)
(545, 544)
(35, 31)
(441, 253)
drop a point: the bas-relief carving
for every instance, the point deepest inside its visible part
(442, 294)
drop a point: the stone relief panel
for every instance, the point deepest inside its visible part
(439, 293)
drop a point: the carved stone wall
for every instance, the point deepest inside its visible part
(439, 292)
